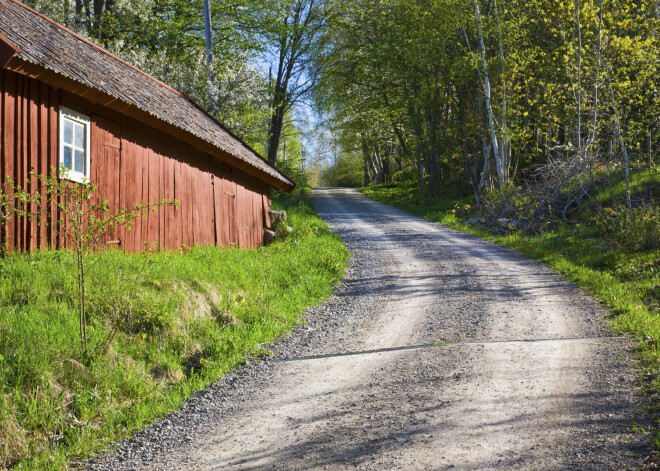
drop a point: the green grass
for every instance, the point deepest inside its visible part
(406, 196)
(642, 181)
(162, 325)
(628, 282)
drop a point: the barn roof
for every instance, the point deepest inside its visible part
(32, 44)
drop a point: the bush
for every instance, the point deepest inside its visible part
(509, 202)
(621, 231)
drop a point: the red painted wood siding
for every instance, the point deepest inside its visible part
(130, 163)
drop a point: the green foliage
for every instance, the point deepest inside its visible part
(410, 78)
(639, 231)
(346, 171)
(508, 201)
(406, 195)
(161, 325)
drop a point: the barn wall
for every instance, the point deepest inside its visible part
(130, 163)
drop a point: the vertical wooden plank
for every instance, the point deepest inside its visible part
(266, 206)
(169, 240)
(177, 229)
(197, 182)
(162, 164)
(2, 151)
(106, 143)
(53, 143)
(102, 177)
(238, 202)
(9, 147)
(122, 233)
(153, 221)
(257, 215)
(18, 157)
(136, 190)
(210, 215)
(253, 219)
(131, 190)
(96, 161)
(43, 162)
(241, 210)
(2, 143)
(230, 209)
(227, 218)
(249, 220)
(186, 201)
(171, 210)
(217, 208)
(207, 207)
(190, 204)
(196, 209)
(5, 118)
(33, 159)
(21, 128)
(249, 211)
(132, 161)
(112, 166)
(144, 158)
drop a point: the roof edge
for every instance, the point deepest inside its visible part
(19, 65)
(7, 51)
(96, 46)
(248, 147)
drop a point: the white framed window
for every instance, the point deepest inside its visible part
(74, 145)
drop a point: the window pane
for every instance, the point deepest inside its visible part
(79, 135)
(66, 158)
(79, 164)
(68, 131)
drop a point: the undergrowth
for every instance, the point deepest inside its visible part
(162, 325)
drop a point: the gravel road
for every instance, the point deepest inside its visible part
(438, 351)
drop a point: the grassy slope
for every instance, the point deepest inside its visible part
(162, 326)
(627, 282)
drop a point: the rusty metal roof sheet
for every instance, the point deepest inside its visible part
(35, 39)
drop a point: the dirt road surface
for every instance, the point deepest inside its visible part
(439, 351)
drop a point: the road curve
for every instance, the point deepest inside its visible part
(440, 351)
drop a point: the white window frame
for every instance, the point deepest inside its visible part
(70, 174)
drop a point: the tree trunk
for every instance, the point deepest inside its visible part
(487, 94)
(578, 92)
(275, 128)
(79, 12)
(597, 74)
(505, 145)
(649, 148)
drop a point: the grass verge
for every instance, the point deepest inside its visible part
(162, 325)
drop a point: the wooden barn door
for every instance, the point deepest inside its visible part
(224, 204)
(105, 166)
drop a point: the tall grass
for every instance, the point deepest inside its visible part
(162, 325)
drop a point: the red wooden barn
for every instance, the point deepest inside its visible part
(64, 100)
